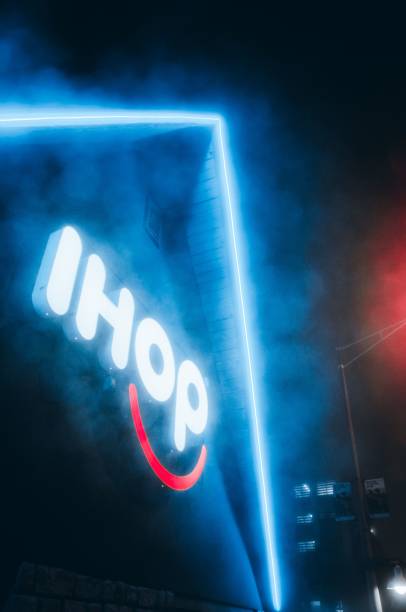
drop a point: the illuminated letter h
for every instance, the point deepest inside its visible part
(93, 303)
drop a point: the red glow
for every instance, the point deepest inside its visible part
(173, 481)
(384, 295)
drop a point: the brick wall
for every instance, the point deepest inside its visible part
(45, 589)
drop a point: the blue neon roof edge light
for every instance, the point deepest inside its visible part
(36, 116)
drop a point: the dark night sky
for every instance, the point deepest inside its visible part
(315, 102)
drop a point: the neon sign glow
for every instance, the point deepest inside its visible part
(22, 119)
(52, 295)
(173, 481)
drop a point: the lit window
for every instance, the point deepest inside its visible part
(306, 546)
(302, 490)
(303, 519)
(325, 488)
(315, 605)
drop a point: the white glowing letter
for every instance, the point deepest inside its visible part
(187, 416)
(56, 277)
(93, 303)
(158, 384)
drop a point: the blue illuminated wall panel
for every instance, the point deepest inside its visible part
(93, 503)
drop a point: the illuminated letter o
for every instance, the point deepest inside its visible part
(160, 385)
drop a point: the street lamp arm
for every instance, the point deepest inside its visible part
(379, 332)
(383, 337)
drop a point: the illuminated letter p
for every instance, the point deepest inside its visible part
(187, 416)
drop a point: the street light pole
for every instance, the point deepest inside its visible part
(372, 586)
(362, 511)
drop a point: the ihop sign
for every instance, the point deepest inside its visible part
(131, 343)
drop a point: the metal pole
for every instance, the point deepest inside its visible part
(372, 585)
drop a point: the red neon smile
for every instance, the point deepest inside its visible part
(173, 481)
